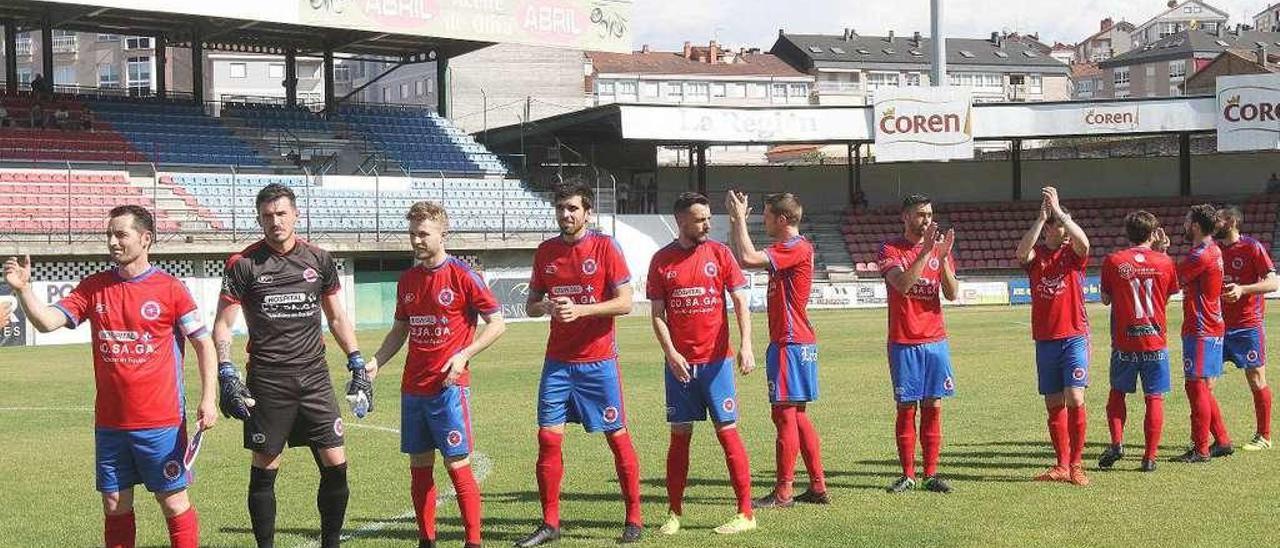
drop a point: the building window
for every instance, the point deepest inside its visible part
(276, 71)
(386, 95)
(757, 91)
(404, 90)
(697, 91)
(238, 70)
(797, 91)
(877, 80)
(24, 75)
(913, 79)
(139, 73)
(108, 37)
(341, 74)
(1035, 84)
(1151, 72)
(735, 90)
(1121, 76)
(627, 88)
(1178, 69)
(137, 42)
(718, 90)
(674, 91)
(64, 76)
(604, 87)
(108, 76)
(778, 92)
(649, 89)
(420, 88)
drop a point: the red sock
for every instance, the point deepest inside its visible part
(1153, 425)
(811, 451)
(1077, 421)
(1262, 409)
(550, 470)
(735, 457)
(786, 447)
(905, 431)
(1201, 413)
(1058, 434)
(464, 483)
(931, 438)
(628, 468)
(119, 530)
(422, 486)
(184, 529)
(1116, 415)
(1216, 425)
(678, 470)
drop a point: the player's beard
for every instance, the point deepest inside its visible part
(572, 228)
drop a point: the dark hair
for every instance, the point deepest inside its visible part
(1232, 212)
(273, 192)
(687, 200)
(1205, 216)
(915, 200)
(785, 205)
(575, 187)
(142, 219)
(1140, 225)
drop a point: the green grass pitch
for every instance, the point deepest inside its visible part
(994, 442)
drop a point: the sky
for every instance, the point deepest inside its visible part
(666, 24)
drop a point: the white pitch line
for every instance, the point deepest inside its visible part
(481, 465)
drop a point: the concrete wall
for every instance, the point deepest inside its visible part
(825, 188)
(508, 73)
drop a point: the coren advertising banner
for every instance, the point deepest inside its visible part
(915, 123)
(603, 25)
(1249, 112)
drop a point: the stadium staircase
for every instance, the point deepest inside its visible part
(987, 233)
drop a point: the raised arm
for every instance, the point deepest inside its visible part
(1026, 251)
(45, 318)
(1079, 240)
(739, 237)
(950, 284)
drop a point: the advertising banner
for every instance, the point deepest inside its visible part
(1248, 112)
(1020, 290)
(13, 322)
(743, 125)
(919, 123)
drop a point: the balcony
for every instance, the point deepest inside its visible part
(24, 47)
(66, 44)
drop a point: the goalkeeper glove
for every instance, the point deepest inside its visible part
(233, 399)
(360, 388)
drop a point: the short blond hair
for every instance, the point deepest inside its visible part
(428, 211)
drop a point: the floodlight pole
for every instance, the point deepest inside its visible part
(938, 77)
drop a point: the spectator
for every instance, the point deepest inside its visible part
(1273, 184)
(4, 117)
(61, 118)
(41, 87)
(86, 120)
(859, 201)
(623, 196)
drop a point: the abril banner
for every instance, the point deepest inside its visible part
(582, 24)
(921, 123)
(1249, 112)
(13, 322)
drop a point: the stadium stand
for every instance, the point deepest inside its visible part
(987, 233)
(40, 202)
(43, 136)
(475, 205)
(420, 140)
(174, 133)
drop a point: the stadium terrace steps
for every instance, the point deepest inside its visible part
(45, 202)
(45, 139)
(420, 140)
(174, 133)
(988, 233)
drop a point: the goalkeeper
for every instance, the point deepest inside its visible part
(282, 283)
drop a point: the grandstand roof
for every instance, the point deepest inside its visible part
(1193, 43)
(227, 33)
(819, 50)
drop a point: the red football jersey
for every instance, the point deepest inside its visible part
(916, 317)
(442, 306)
(588, 271)
(790, 279)
(138, 327)
(692, 284)
(1200, 274)
(1057, 293)
(1139, 282)
(1245, 262)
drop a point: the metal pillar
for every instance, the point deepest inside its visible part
(938, 75)
(1015, 157)
(10, 56)
(290, 77)
(443, 86)
(46, 49)
(197, 66)
(162, 62)
(1184, 164)
(329, 102)
(702, 169)
(849, 168)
